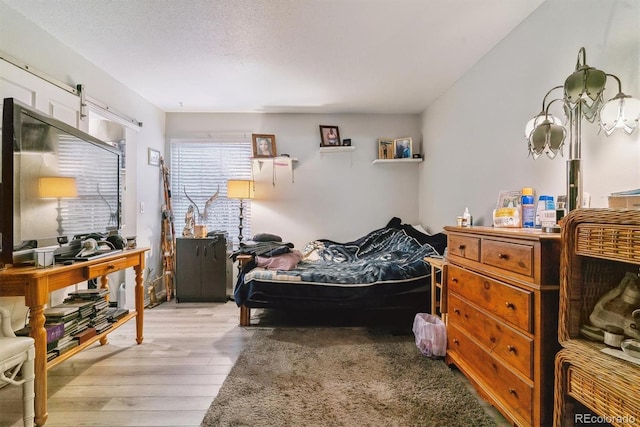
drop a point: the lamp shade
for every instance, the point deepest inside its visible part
(57, 187)
(240, 189)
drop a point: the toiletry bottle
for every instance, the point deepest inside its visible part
(528, 208)
(542, 205)
(466, 218)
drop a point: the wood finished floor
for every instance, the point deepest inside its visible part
(169, 380)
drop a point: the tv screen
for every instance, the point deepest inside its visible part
(57, 183)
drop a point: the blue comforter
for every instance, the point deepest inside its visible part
(388, 259)
(382, 255)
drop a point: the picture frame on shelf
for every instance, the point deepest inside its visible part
(385, 148)
(153, 157)
(402, 148)
(329, 136)
(264, 145)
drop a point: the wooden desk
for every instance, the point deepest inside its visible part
(35, 284)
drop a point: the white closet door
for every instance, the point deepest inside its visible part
(50, 99)
(40, 94)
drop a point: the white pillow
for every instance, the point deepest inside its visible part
(421, 229)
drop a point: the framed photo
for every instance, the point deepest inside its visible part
(402, 148)
(264, 145)
(385, 148)
(329, 136)
(509, 199)
(154, 157)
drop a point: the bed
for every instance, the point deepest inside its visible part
(384, 268)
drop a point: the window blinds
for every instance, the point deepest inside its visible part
(199, 168)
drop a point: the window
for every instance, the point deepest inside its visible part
(199, 168)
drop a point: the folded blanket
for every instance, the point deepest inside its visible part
(262, 249)
(286, 261)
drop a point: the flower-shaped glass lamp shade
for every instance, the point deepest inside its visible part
(584, 87)
(620, 112)
(547, 137)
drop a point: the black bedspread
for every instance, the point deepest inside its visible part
(369, 271)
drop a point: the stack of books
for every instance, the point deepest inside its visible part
(82, 315)
(68, 317)
(95, 301)
(55, 331)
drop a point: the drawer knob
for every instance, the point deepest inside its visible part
(511, 349)
(111, 266)
(510, 305)
(456, 310)
(503, 256)
(454, 279)
(456, 342)
(513, 391)
(461, 247)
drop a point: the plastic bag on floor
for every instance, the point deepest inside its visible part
(431, 335)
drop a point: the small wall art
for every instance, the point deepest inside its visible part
(154, 157)
(385, 148)
(402, 148)
(329, 136)
(264, 145)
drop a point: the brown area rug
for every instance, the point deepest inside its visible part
(341, 376)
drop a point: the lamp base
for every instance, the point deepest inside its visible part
(574, 184)
(200, 231)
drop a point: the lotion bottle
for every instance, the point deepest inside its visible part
(466, 218)
(528, 208)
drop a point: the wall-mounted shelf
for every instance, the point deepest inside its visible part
(398, 160)
(288, 162)
(338, 149)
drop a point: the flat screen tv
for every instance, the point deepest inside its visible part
(58, 183)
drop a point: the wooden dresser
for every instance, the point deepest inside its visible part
(502, 331)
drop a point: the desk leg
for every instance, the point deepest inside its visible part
(104, 284)
(39, 334)
(139, 297)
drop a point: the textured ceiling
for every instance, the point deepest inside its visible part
(331, 56)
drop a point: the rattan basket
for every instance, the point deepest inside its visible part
(599, 246)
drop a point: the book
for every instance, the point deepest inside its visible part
(54, 331)
(89, 293)
(83, 336)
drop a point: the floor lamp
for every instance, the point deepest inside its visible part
(583, 98)
(58, 187)
(240, 189)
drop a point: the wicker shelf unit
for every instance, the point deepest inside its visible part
(599, 247)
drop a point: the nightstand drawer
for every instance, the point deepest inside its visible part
(504, 301)
(514, 257)
(464, 246)
(501, 340)
(507, 386)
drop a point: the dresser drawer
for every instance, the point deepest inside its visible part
(514, 257)
(504, 301)
(499, 339)
(505, 385)
(467, 247)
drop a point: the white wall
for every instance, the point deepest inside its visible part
(24, 41)
(474, 134)
(338, 196)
